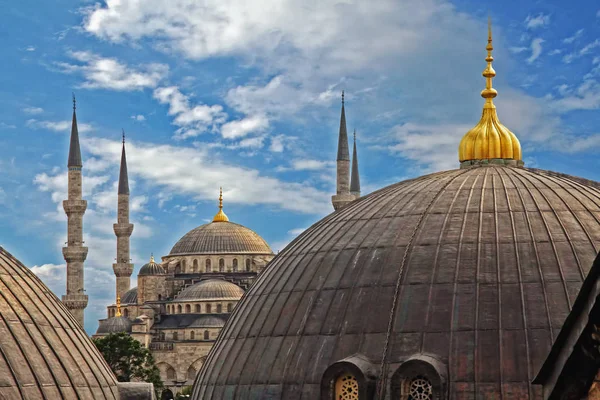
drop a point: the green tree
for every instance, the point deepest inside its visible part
(185, 393)
(129, 360)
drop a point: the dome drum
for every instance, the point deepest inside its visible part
(211, 289)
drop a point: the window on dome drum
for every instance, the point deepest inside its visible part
(229, 307)
(198, 310)
(179, 309)
(188, 308)
(417, 388)
(125, 313)
(195, 266)
(248, 264)
(183, 265)
(162, 336)
(346, 387)
(207, 265)
(159, 297)
(177, 269)
(206, 335)
(175, 335)
(191, 375)
(219, 308)
(221, 265)
(192, 334)
(208, 308)
(170, 373)
(235, 265)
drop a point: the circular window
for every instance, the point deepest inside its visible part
(420, 389)
(346, 388)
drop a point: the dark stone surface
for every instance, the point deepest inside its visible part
(484, 264)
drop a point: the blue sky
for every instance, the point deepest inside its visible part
(245, 94)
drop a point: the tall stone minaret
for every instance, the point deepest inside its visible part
(355, 178)
(75, 253)
(123, 268)
(342, 196)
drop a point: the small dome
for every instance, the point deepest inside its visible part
(130, 296)
(151, 268)
(45, 353)
(219, 238)
(114, 325)
(211, 289)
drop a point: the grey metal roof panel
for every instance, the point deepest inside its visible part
(487, 261)
(210, 289)
(175, 321)
(114, 325)
(151, 268)
(130, 296)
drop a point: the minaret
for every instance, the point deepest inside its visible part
(342, 196)
(355, 178)
(123, 229)
(75, 253)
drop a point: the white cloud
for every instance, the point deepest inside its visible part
(308, 165)
(585, 97)
(192, 120)
(568, 58)
(33, 110)
(4, 125)
(575, 36)
(108, 73)
(138, 118)
(518, 50)
(277, 144)
(534, 22)
(536, 50)
(243, 127)
(30, 48)
(555, 52)
(58, 126)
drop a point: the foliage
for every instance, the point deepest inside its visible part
(185, 393)
(129, 360)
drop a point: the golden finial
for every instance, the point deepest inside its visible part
(118, 314)
(489, 139)
(151, 258)
(220, 216)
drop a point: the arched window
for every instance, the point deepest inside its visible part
(248, 264)
(179, 309)
(420, 377)
(221, 265)
(346, 387)
(177, 269)
(171, 373)
(198, 309)
(175, 336)
(183, 265)
(206, 337)
(188, 308)
(208, 308)
(125, 312)
(162, 336)
(191, 375)
(418, 388)
(207, 264)
(159, 297)
(192, 334)
(235, 265)
(195, 266)
(219, 308)
(229, 307)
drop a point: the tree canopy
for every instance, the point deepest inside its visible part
(128, 359)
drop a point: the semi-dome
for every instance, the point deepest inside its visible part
(114, 325)
(212, 289)
(45, 353)
(130, 296)
(152, 268)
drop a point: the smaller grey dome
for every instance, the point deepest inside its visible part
(211, 289)
(114, 325)
(130, 296)
(151, 268)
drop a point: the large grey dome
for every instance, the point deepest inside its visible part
(130, 296)
(114, 325)
(476, 268)
(212, 289)
(45, 354)
(221, 238)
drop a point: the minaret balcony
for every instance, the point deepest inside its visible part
(75, 301)
(123, 269)
(75, 253)
(75, 206)
(123, 229)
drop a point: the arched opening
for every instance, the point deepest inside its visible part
(177, 269)
(159, 297)
(235, 265)
(229, 307)
(192, 335)
(162, 336)
(208, 308)
(206, 335)
(166, 395)
(418, 388)
(183, 266)
(207, 265)
(247, 264)
(188, 308)
(219, 309)
(421, 377)
(125, 313)
(175, 335)
(346, 387)
(198, 309)
(195, 265)
(171, 373)
(349, 379)
(179, 309)
(191, 373)
(221, 265)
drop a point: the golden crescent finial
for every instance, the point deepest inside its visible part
(118, 314)
(220, 216)
(151, 257)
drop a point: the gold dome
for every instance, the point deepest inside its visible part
(220, 216)
(489, 139)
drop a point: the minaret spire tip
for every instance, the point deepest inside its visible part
(342, 97)
(74, 101)
(123, 130)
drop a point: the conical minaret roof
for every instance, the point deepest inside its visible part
(343, 152)
(74, 151)
(355, 178)
(123, 179)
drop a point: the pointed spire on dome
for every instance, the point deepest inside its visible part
(118, 313)
(489, 139)
(220, 216)
(355, 178)
(151, 257)
(74, 151)
(123, 179)
(343, 152)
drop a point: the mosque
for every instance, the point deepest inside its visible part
(481, 282)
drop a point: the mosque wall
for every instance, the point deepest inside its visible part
(180, 363)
